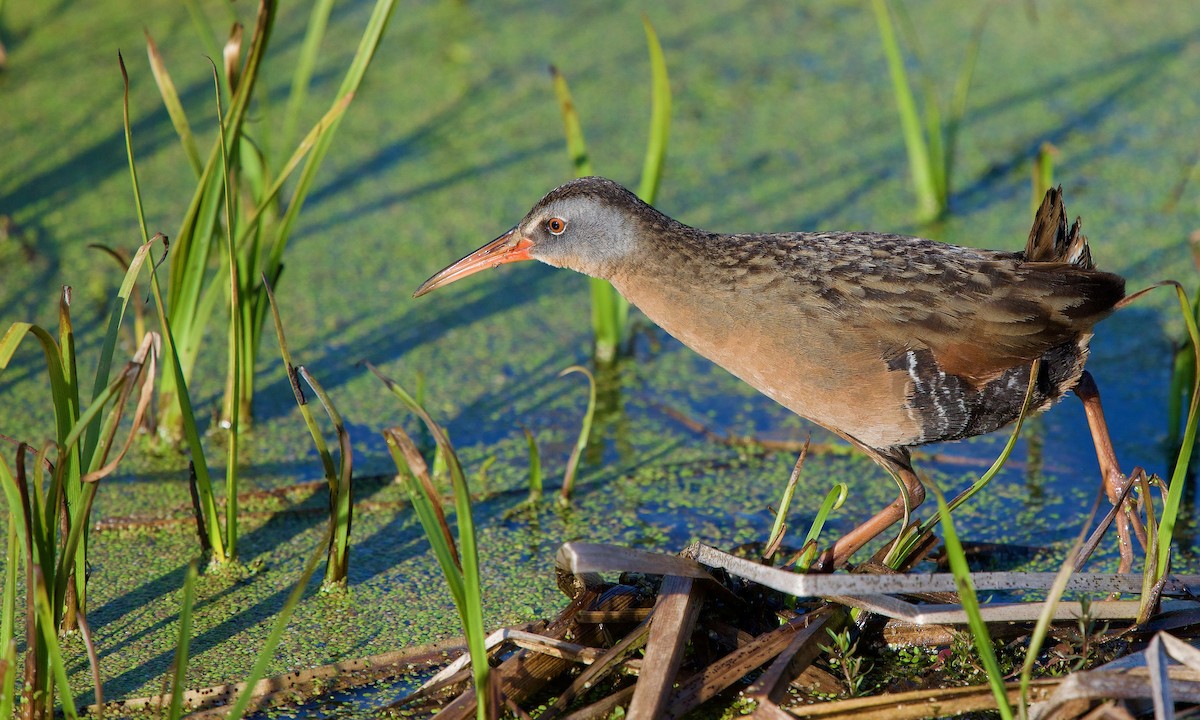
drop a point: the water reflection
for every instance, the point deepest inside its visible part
(610, 423)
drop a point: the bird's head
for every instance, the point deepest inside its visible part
(589, 225)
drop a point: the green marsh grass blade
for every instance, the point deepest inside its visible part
(8, 693)
(129, 150)
(910, 121)
(1181, 383)
(8, 608)
(472, 611)
(1043, 174)
(780, 526)
(535, 468)
(1183, 374)
(428, 507)
(314, 33)
(267, 654)
(606, 324)
(66, 357)
(48, 630)
(176, 378)
(180, 663)
(58, 384)
(970, 603)
(69, 460)
(461, 578)
(572, 128)
(834, 499)
(341, 493)
(1166, 527)
(457, 478)
(585, 431)
(191, 432)
(938, 158)
(338, 478)
(125, 292)
(468, 595)
(294, 381)
(236, 346)
(367, 46)
(170, 97)
(660, 117)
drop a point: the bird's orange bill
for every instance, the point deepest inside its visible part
(509, 247)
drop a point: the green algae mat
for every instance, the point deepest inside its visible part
(783, 119)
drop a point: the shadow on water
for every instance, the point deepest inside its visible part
(1135, 68)
(367, 336)
(415, 146)
(610, 422)
(404, 540)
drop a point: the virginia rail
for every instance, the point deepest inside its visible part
(889, 341)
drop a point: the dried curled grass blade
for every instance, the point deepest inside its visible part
(428, 498)
(143, 370)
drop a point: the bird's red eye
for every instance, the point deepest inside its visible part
(556, 226)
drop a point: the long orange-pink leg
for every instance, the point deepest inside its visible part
(1110, 470)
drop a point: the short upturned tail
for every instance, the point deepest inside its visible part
(1049, 240)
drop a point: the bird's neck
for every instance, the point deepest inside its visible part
(660, 252)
